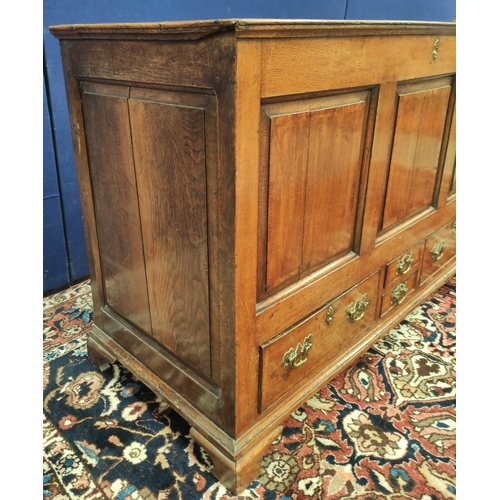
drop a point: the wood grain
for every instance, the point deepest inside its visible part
(285, 308)
(306, 65)
(333, 179)
(144, 62)
(448, 182)
(327, 342)
(289, 136)
(246, 135)
(410, 281)
(417, 145)
(392, 274)
(78, 132)
(430, 266)
(254, 28)
(263, 152)
(311, 158)
(169, 152)
(117, 207)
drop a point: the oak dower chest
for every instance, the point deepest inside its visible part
(263, 200)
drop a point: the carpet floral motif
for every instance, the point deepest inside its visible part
(383, 428)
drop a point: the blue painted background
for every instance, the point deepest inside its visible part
(65, 260)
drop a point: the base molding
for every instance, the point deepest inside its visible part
(98, 355)
(236, 472)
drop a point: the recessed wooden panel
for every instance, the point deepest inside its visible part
(116, 204)
(449, 180)
(454, 179)
(289, 135)
(418, 138)
(169, 152)
(312, 155)
(333, 176)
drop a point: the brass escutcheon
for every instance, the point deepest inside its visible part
(298, 356)
(435, 49)
(404, 264)
(356, 310)
(438, 250)
(329, 315)
(399, 294)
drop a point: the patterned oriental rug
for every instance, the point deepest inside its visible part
(384, 428)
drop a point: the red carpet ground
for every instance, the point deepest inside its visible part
(383, 429)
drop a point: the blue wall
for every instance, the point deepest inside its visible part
(55, 258)
(65, 260)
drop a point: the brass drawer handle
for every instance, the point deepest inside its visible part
(298, 356)
(329, 315)
(438, 250)
(399, 294)
(356, 310)
(404, 264)
(454, 228)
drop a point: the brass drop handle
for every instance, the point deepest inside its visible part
(399, 294)
(356, 310)
(293, 358)
(438, 250)
(329, 315)
(404, 264)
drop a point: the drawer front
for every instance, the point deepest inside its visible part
(403, 264)
(398, 293)
(305, 348)
(440, 247)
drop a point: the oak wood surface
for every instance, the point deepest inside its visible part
(353, 351)
(409, 281)
(392, 272)
(247, 120)
(116, 203)
(265, 155)
(75, 111)
(327, 341)
(286, 308)
(299, 65)
(289, 137)
(169, 153)
(260, 28)
(448, 183)
(333, 179)
(418, 139)
(310, 182)
(236, 472)
(222, 178)
(146, 62)
(445, 236)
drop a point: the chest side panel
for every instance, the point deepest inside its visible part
(105, 109)
(148, 166)
(169, 153)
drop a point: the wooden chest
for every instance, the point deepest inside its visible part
(262, 201)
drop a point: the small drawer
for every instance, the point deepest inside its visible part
(398, 293)
(440, 247)
(303, 349)
(403, 264)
